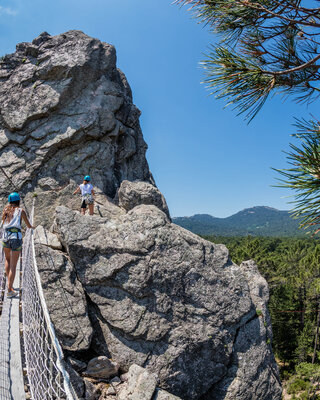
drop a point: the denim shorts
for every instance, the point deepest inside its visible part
(13, 244)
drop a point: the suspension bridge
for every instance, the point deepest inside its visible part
(32, 364)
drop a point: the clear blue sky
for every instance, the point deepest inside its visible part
(204, 158)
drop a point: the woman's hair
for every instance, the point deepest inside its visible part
(9, 211)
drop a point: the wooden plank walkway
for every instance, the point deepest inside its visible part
(11, 377)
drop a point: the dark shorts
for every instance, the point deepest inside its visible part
(86, 200)
(13, 244)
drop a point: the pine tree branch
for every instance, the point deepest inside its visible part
(296, 69)
(259, 7)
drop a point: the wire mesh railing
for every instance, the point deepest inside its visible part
(47, 375)
(2, 274)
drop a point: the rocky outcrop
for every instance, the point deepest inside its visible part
(65, 298)
(126, 283)
(67, 111)
(173, 303)
(132, 194)
(252, 362)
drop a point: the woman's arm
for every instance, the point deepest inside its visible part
(77, 190)
(93, 192)
(25, 218)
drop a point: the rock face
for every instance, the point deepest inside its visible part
(126, 283)
(67, 111)
(252, 356)
(173, 303)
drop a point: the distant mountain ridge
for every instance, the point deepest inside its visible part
(256, 221)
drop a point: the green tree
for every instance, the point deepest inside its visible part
(262, 46)
(303, 175)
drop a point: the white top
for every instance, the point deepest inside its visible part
(86, 188)
(15, 221)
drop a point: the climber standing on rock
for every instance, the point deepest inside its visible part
(87, 194)
(12, 237)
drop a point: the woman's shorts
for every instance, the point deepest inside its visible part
(13, 244)
(86, 199)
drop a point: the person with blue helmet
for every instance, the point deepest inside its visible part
(87, 193)
(12, 237)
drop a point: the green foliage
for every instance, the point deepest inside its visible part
(304, 396)
(304, 344)
(297, 385)
(303, 176)
(259, 313)
(303, 383)
(263, 47)
(307, 370)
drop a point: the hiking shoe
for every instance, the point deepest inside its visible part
(12, 293)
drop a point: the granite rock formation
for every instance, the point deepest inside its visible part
(67, 111)
(125, 283)
(165, 299)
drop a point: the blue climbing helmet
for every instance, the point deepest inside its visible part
(14, 196)
(87, 178)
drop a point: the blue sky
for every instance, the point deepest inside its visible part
(204, 158)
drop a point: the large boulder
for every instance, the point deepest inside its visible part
(66, 111)
(132, 194)
(169, 301)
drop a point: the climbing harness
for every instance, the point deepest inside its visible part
(87, 199)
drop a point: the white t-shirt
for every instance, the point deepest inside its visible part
(86, 188)
(15, 222)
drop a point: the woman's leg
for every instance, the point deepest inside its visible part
(7, 253)
(91, 209)
(13, 265)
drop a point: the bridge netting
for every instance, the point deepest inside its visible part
(44, 359)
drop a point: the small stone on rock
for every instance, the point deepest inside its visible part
(101, 367)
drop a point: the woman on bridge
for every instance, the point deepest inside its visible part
(12, 237)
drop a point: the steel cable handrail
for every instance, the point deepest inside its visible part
(46, 371)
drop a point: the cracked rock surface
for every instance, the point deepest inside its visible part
(173, 303)
(66, 111)
(125, 283)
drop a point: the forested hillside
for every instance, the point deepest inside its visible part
(256, 221)
(292, 269)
